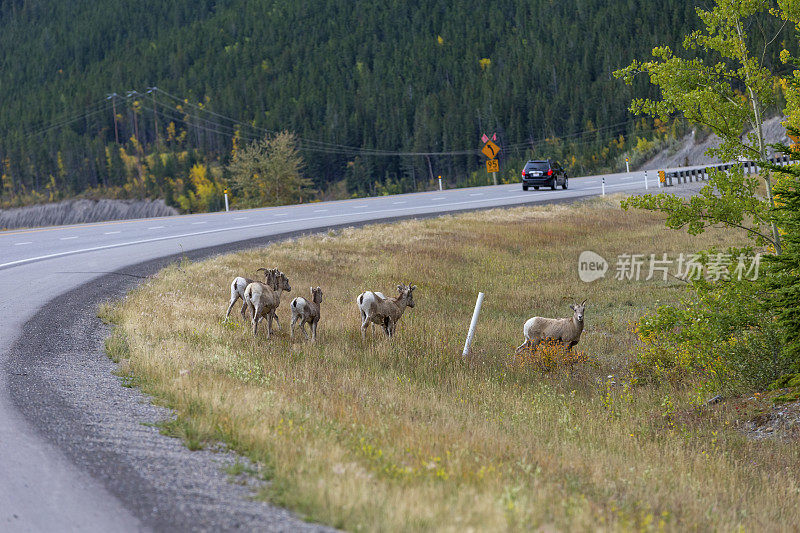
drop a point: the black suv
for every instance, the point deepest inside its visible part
(543, 173)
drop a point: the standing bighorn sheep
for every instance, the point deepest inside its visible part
(262, 300)
(360, 297)
(307, 312)
(384, 311)
(565, 330)
(238, 286)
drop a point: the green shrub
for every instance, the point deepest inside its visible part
(720, 339)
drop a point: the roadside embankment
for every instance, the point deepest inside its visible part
(405, 434)
(82, 211)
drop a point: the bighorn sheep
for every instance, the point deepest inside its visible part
(565, 330)
(360, 297)
(262, 300)
(307, 312)
(239, 284)
(384, 311)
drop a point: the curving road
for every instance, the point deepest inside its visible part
(63, 467)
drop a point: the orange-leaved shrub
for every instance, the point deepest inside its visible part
(549, 356)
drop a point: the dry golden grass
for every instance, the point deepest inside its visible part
(404, 434)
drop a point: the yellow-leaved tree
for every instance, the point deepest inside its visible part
(268, 172)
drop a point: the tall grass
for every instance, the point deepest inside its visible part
(407, 435)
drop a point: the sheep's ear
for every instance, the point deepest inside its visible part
(400, 287)
(412, 287)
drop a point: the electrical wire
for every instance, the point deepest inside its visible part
(189, 114)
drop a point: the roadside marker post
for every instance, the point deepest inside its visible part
(440, 183)
(226, 200)
(627, 165)
(472, 324)
(604, 186)
(645, 180)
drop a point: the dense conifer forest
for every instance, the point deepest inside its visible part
(382, 97)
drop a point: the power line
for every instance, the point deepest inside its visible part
(230, 127)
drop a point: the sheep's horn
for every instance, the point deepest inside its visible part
(260, 269)
(583, 302)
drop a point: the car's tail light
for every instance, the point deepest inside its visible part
(523, 173)
(550, 172)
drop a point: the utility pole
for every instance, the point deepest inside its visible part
(152, 92)
(135, 118)
(113, 98)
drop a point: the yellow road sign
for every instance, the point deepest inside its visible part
(492, 165)
(490, 150)
(662, 176)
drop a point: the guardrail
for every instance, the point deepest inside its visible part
(668, 179)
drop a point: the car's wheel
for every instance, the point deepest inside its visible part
(524, 187)
(553, 184)
(566, 183)
(536, 187)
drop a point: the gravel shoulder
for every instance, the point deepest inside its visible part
(62, 382)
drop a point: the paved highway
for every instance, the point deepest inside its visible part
(43, 488)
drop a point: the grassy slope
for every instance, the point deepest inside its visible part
(404, 434)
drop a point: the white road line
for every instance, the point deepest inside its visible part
(196, 223)
(259, 225)
(397, 203)
(111, 232)
(280, 214)
(631, 178)
(439, 198)
(320, 210)
(22, 243)
(612, 186)
(67, 238)
(240, 218)
(360, 206)
(155, 227)
(477, 194)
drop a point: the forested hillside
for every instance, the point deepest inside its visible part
(382, 96)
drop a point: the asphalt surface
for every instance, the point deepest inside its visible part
(77, 449)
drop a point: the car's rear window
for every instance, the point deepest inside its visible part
(537, 165)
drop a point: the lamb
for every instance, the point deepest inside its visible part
(565, 330)
(307, 312)
(384, 311)
(262, 300)
(238, 285)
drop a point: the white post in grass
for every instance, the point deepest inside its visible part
(472, 324)
(226, 200)
(440, 183)
(645, 180)
(604, 185)
(627, 165)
